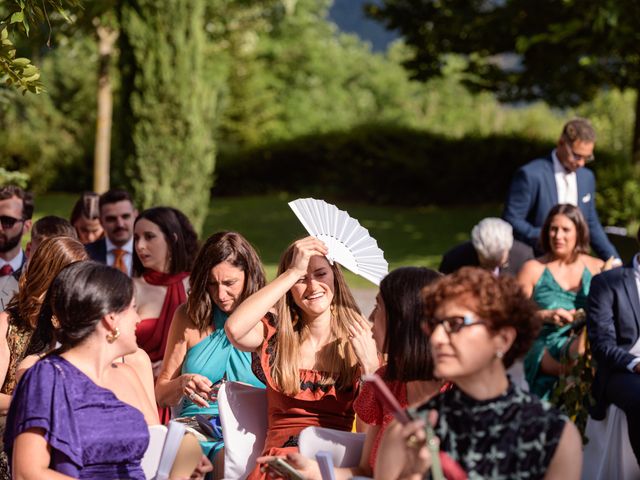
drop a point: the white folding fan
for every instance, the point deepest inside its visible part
(349, 243)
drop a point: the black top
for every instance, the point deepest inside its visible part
(464, 255)
(513, 436)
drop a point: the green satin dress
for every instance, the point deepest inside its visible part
(549, 295)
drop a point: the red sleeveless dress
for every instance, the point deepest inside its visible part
(315, 404)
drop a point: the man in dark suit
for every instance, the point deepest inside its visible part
(16, 210)
(559, 178)
(492, 247)
(117, 216)
(613, 325)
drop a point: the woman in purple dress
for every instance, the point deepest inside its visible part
(62, 420)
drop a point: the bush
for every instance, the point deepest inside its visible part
(384, 164)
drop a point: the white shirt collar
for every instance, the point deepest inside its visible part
(16, 262)
(636, 266)
(557, 166)
(127, 247)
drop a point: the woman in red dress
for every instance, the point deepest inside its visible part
(313, 343)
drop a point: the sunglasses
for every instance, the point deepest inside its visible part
(8, 222)
(451, 324)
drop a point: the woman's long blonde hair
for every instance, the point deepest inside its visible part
(341, 359)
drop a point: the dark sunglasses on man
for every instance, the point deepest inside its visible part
(8, 222)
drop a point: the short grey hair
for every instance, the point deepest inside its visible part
(491, 237)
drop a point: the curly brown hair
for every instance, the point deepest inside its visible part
(499, 301)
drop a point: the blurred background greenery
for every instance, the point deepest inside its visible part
(230, 103)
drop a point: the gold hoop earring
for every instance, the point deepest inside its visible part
(113, 336)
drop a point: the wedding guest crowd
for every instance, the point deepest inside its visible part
(116, 321)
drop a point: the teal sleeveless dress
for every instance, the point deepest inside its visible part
(215, 358)
(549, 295)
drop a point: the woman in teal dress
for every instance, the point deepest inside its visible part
(199, 356)
(559, 283)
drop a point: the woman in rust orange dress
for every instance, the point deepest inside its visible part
(313, 343)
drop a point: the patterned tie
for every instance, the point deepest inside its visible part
(118, 260)
(6, 270)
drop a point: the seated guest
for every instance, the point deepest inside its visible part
(117, 215)
(24, 328)
(165, 243)
(478, 324)
(47, 227)
(309, 364)
(62, 420)
(559, 283)
(85, 218)
(21, 331)
(199, 355)
(492, 247)
(612, 312)
(16, 210)
(397, 318)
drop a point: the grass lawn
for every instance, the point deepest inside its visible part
(408, 236)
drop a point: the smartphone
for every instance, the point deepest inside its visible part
(281, 466)
(387, 398)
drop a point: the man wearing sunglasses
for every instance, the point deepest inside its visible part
(559, 178)
(16, 210)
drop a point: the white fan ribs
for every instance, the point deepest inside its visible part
(349, 243)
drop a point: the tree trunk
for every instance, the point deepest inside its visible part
(106, 40)
(635, 142)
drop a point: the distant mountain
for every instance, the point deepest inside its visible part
(349, 16)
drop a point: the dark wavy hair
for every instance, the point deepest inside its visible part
(82, 294)
(499, 301)
(574, 214)
(407, 349)
(222, 247)
(181, 238)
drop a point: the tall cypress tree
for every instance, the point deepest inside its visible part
(168, 107)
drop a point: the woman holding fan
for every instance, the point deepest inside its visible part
(313, 344)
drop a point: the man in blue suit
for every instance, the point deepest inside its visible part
(559, 178)
(613, 325)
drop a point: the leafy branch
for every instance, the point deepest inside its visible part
(19, 72)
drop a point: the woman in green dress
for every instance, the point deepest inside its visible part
(559, 283)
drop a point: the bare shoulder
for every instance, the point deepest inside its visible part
(4, 323)
(139, 357)
(531, 270)
(182, 323)
(594, 264)
(566, 462)
(26, 364)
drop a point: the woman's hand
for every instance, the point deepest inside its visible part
(308, 468)
(364, 346)
(202, 468)
(558, 316)
(403, 451)
(196, 387)
(303, 251)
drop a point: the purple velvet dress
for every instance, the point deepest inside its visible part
(91, 433)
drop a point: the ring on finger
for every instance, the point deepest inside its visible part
(414, 442)
(193, 395)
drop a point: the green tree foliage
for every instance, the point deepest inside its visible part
(19, 72)
(170, 104)
(562, 51)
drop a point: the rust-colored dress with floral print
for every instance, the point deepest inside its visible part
(315, 405)
(17, 341)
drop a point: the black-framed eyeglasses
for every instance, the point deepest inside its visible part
(7, 222)
(451, 324)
